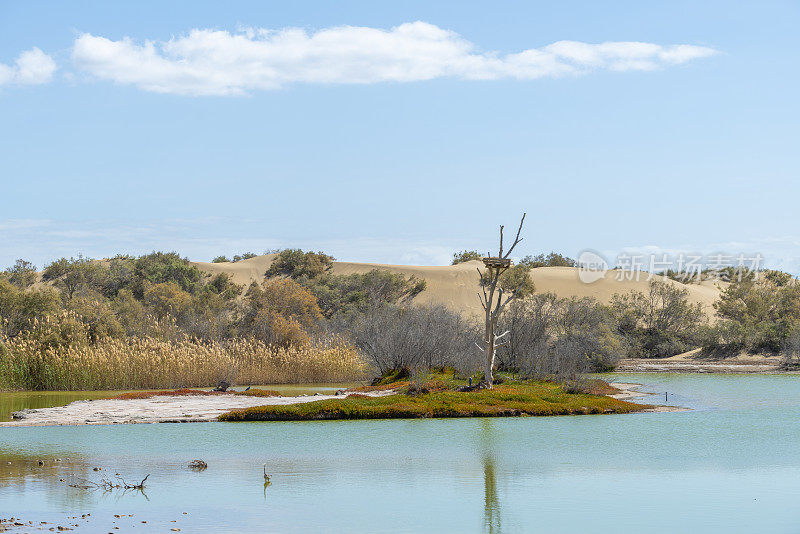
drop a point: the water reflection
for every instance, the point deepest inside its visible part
(492, 522)
(51, 476)
(491, 504)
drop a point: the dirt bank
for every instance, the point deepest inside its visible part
(693, 362)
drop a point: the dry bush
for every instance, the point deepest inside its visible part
(558, 339)
(395, 337)
(55, 354)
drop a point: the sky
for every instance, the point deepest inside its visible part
(399, 132)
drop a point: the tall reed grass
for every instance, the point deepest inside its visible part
(41, 360)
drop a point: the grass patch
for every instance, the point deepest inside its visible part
(511, 399)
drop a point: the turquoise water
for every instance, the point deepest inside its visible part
(731, 464)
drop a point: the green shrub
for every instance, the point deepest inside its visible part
(164, 267)
(756, 314)
(355, 292)
(244, 256)
(465, 256)
(659, 323)
(553, 259)
(73, 275)
(295, 263)
(516, 278)
(22, 274)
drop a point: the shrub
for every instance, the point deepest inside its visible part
(516, 278)
(164, 267)
(395, 337)
(167, 299)
(97, 314)
(356, 292)
(757, 314)
(553, 259)
(72, 275)
(659, 323)
(134, 317)
(22, 274)
(281, 313)
(117, 275)
(465, 256)
(221, 284)
(558, 338)
(243, 256)
(20, 308)
(295, 263)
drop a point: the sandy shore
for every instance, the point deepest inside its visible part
(159, 409)
(691, 362)
(630, 392)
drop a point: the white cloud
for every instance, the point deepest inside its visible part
(31, 67)
(215, 62)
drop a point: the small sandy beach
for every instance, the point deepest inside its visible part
(630, 392)
(158, 409)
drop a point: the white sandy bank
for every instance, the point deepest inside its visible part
(158, 409)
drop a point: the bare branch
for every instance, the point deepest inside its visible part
(483, 287)
(499, 300)
(517, 239)
(501, 241)
(509, 299)
(483, 305)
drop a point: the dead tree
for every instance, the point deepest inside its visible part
(494, 299)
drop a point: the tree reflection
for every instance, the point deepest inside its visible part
(492, 522)
(491, 504)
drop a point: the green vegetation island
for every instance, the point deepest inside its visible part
(441, 395)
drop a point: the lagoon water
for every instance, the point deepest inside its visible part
(730, 464)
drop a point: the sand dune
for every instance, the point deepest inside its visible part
(456, 287)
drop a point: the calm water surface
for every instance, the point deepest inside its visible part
(731, 464)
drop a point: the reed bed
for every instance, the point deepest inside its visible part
(35, 362)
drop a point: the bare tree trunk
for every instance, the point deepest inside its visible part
(494, 308)
(490, 351)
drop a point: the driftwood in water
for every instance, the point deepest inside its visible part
(109, 485)
(198, 465)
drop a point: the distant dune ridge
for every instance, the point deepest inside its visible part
(456, 286)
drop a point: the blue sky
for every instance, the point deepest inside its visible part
(427, 154)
